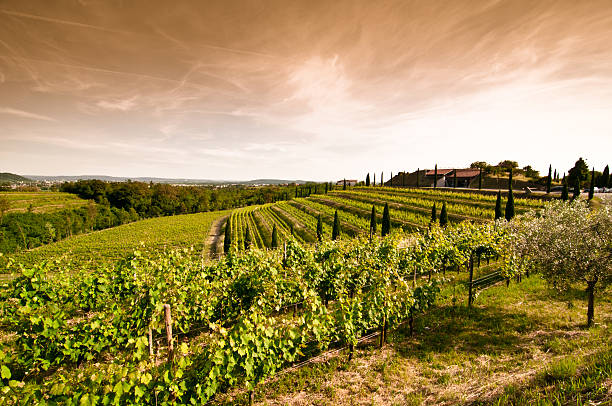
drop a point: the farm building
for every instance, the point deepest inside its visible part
(446, 177)
(349, 182)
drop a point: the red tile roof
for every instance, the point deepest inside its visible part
(441, 172)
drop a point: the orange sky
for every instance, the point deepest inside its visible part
(301, 89)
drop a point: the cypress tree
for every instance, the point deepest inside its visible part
(391, 180)
(373, 220)
(510, 203)
(227, 240)
(274, 243)
(480, 180)
(455, 179)
(326, 185)
(549, 179)
(434, 215)
(604, 179)
(374, 183)
(435, 176)
(592, 187)
(296, 192)
(319, 229)
(418, 180)
(386, 221)
(336, 229)
(443, 215)
(247, 238)
(498, 212)
(564, 193)
(344, 185)
(368, 180)
(576, 188)
(381, 180)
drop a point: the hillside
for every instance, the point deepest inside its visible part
(188, 181)
(6, 177)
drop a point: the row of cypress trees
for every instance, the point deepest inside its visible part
(443, 215)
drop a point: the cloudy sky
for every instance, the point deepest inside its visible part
(301, 89)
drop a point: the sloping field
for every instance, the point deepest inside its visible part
(410, 210)
(105, 246)
(41, 202)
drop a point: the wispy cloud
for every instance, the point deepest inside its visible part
(25, 114)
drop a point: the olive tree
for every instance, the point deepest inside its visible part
(570, 243)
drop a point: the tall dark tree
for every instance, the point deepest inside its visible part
(434, 215)
(326, 187)
(381, 179)
(374, 183)
(247, 238)
(344, 185)
(296, 192)
(480, 179)
(498, 205)
(443, 215)
(227, 240)
(555, 176)
(274, 243)
(435, 176)
(418, 182)
(592, 187)
(455, 179)
(336, 228)
(368, 180)
(386, 221)
(565, 192)
(373, 220)
(604, 179)
(319, 229)
(576, 188)
(549, 179)
(510, 203)
(580, 171)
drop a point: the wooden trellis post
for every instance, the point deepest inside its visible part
(168, 320)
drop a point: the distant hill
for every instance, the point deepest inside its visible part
(6, 177)
(164, 180)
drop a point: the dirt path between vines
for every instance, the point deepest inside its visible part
(215, 237)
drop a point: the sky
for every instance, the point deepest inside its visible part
(304, 89)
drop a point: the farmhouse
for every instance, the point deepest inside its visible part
(446, 177)
(349, 182)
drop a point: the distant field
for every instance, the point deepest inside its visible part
(41, 202)
(106, 246)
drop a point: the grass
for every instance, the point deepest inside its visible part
(41, 202)
(106, 246)
(521, 345)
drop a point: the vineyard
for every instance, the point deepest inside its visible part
(99, 336)
(41, 202)
(410, 211)
(107, 246)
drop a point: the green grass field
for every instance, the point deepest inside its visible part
(522, 345)
(41, 202)
(106, 246)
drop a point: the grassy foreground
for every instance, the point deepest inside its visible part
(524, 344)
(107, 246)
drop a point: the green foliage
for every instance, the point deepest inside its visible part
(592, 186)
(604, 179)
(434, 216)
(579, 172)
(549, 179)
(247, 238)
(367, 181)
(319, 229)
